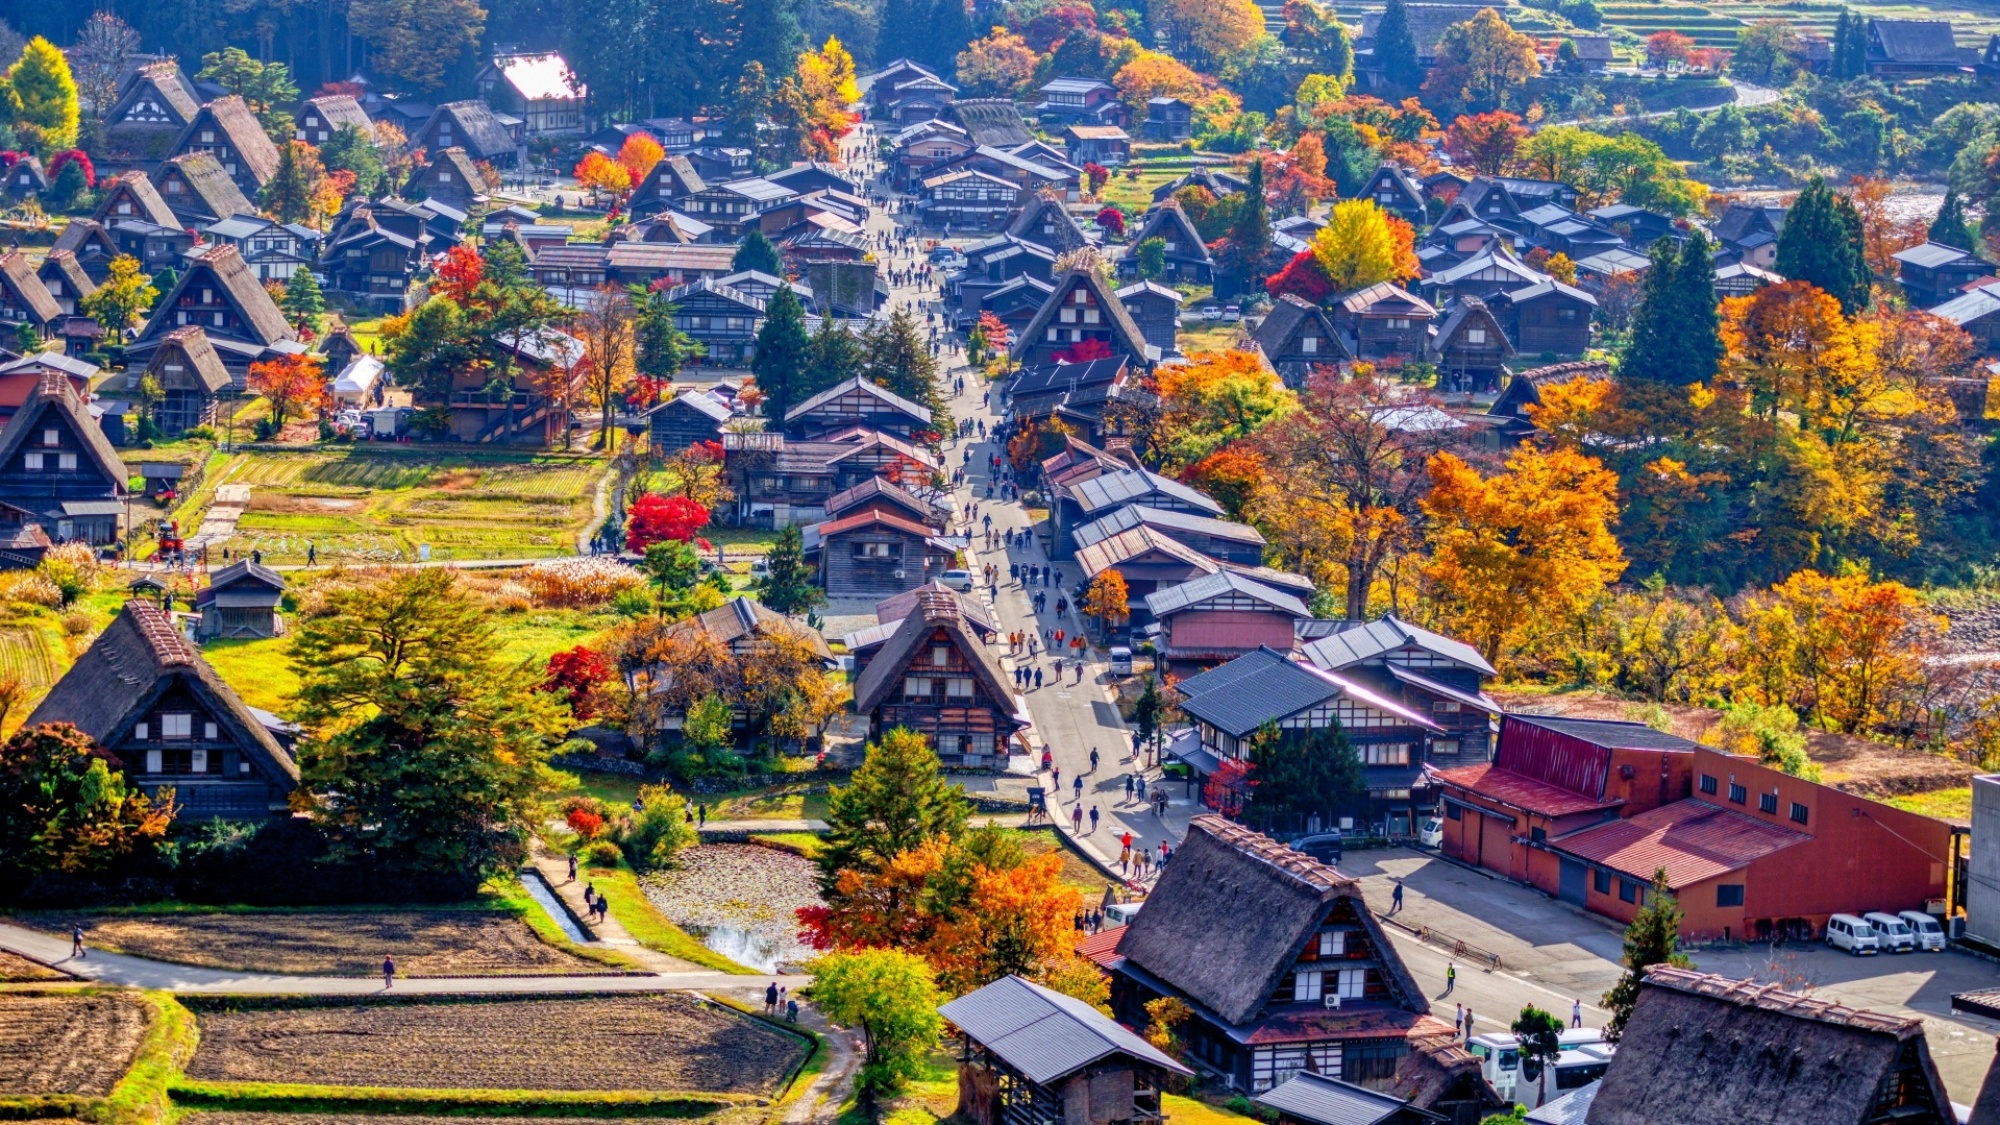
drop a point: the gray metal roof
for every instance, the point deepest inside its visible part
(1280, 688)
(1570, 1109)
(1196, 590)
(1045, 1034)
(1131, 516)
(1329, 1101)
(1613, 734)
(1359, 643)
(1112, 489)
(1930, 254)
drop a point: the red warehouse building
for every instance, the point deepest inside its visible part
(1550, 777)
(1756, 853)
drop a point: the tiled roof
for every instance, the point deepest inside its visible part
(1693, 840)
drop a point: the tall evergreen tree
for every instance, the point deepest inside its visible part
(767, 33)
(1840, 66)
(1250, 234)
(303, 301)
(788, 586)
(289, 194)
(782, 349)
(1300, 773)
(897, 800)
(1396, 47)
(757, 252)
(1699, 332)
(1675, 336)
(41, 82)
(1950, 228)
(950, 30)
(1822, 243)
(902, 35)
(899, 360)
(1650, 940)
(659, 347)
(1857, 47)
(835, 358)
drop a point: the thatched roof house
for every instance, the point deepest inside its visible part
(1701, 1049)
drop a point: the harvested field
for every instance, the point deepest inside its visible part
(67, 1044)
(433, 943)
(607, 1043)
(16, 969)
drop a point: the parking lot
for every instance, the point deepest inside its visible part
(1551, 954)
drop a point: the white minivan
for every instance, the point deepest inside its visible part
(1925, 928)
(1892, 932)
(1855, 935)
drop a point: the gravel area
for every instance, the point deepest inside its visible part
(591, 1043)
(742, 900)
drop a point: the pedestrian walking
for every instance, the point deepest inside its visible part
(1458, 1020)
(1128, 787)
(1056, 777)
(572, 868)
(590, 894)
(771, 998)
(1076, 818)
(388, 973)
(1093, 759)
(1038, 679)
(1450, 977)
(1576, 1012)
(701, 815)
(76, 941)
(1093, 818)
(1076, 787)
(1396, 898)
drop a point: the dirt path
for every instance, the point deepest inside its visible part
(219, 522)
(555, 870)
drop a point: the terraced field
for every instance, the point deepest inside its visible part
(25, 657)
(366, 506)
(67, 1044)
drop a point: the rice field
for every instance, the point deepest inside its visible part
(25, 658)
(368, 506)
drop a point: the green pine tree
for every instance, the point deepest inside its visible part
(351, 150)
(897, 800)
(1950, 228)
(68, 190)
(1651, 353)
(949, 31)
(836, 357)
(780, 360)
(898, 359)
(1650, 940)
(1250, 232)
(759, 253)
(902, 35)
(1396, 48)
(1697, 331)
(767, 33)
(1813, 246)
(303, 301)
(1299, 774)
(659, 347)
(1857, 47)
(1840, 65)
(288, 196)
(788, 586)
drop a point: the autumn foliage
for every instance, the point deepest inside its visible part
(1485, 142)
(290, 384)
(599, 172)
(638, 155)
(656, 519)
(574, 674)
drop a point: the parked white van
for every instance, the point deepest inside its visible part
(1925, 928)
(1499, 1055)
(1855, 935)
(1892, 932)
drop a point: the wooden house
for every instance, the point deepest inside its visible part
(90, 246)
(217, 293)
(1168, 119)
(920, 149)
(146, 696)
(967, 200)
(451, 177)
(1548, 318)
(1106, 145)
(858, 402)
(1978, 312)
(1147, 560)
(905, 92)
(192, 375)
(936, 676)
(1297, 336)
(1503, 200)
(273, 251)
(1078, 502)
(24, 300)
(1029, 1055)
(1045, 221)
(241, 601)
(691, 417)
(863, 644)
(725, 320)
(1639, 227)
(1383, 321)
(1219, 617)
(537, 407)
(1915, 49)
(1033, 394)
(1931, 273)
(1229, 704)
(990, 266)
(1310, 1098)
(373, 249)
(1221, 540)
(1015, 302)
(742, 626)
(472, 126)
(1428, 673)
(992, 123)
(1156, 309)
(24, 179)
(1741, 279)
(735, 207)
(227, 130)
(1396, 191)
(1089, 101)
(1492, 271)
(1083, 319)
(671, 180)
(1278, 957)
(317, 120)
(778, 482)
(1748, 233)
(57, 463)
(132, 195)
(22, 375)
(1216, 181)
(1028, 175)
(1523, 390)
(155, 104)
(872, 554)
(888, 498)
(66, 280)
(1187, 257)
(1469, 347)
(1697, 1044)
(538, 89)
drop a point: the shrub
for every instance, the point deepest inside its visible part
(32, 588)
(654, 833)
(585, 823)
(581, 583)
(76, 623)
(72, 569)
(602, 853)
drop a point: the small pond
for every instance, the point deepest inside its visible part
(740, 900)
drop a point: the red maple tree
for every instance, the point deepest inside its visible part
(1302, 277)
(658, 519)
(573, 673)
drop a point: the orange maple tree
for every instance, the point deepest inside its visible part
(290, 384)
(638, 155)
(599, 172)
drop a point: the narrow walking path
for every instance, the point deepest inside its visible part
(609, 932)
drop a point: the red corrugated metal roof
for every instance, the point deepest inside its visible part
(1521, 791)
(1103, 948)
(1693, 840)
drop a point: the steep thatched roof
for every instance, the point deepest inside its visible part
(739, 617)
(133, 663)
(147, 202)
(1045, 220)
(231, 117)
(19, 278)
(1699, 1049)
(934, 613)
(55, 392)
(209, 186)
(204, 366)
(1232, 913)
(62, 265)
(221, 267)
(482, 134)
(339, 111)
(1124, 330)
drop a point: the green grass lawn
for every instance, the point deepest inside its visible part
(369, 504)
(1954, 805)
